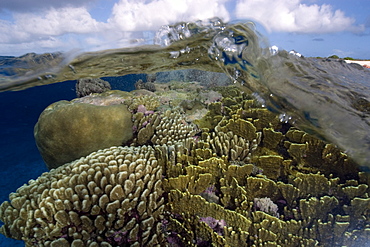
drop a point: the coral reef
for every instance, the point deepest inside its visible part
(66, 131)
(112, 97)
(233, 176)
(151, 102)
(266, 205)
(150, 86)
(112, 197)
(87, 86)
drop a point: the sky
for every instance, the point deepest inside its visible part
(310, 27)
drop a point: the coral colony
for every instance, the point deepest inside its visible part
(216, 170)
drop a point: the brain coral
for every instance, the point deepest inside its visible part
(112, 197)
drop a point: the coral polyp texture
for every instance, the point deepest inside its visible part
(112, 197)
(234, 175)
(87, 86)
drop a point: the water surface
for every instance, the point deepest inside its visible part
(328, 98)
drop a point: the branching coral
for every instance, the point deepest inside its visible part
(150, 102)
(239, 178)
(112, 197)
(167, 128)
(87, 86)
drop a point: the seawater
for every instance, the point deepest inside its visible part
(327, 98)
(20, 160)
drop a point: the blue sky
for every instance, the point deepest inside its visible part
(310, 27)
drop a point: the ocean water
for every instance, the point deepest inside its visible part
(325, 97)
(20, 160)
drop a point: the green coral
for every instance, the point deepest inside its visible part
(112, 197)
(217, 172)
(66, 131)
(151, 102)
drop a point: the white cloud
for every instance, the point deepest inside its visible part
(140, 15)
(57, 21)
(47, 27)
(294, 16)
(48, 30)
(28, 27)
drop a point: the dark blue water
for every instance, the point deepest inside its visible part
(20, 160)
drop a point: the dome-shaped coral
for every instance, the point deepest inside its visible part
(66, 131)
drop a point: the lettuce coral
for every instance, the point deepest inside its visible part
(240, 177)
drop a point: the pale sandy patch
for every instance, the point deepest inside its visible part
(362, 63)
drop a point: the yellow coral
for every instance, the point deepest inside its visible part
(150, 102)
(242, 182)
(112, 196)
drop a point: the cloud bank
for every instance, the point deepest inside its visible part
(294, 16)
(54, 22)
(62, 25)
(129, 15)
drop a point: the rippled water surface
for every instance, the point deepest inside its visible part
(328, 98)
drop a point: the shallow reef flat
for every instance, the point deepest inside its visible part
(204, 167)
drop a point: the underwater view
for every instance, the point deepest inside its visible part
(208, 137)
